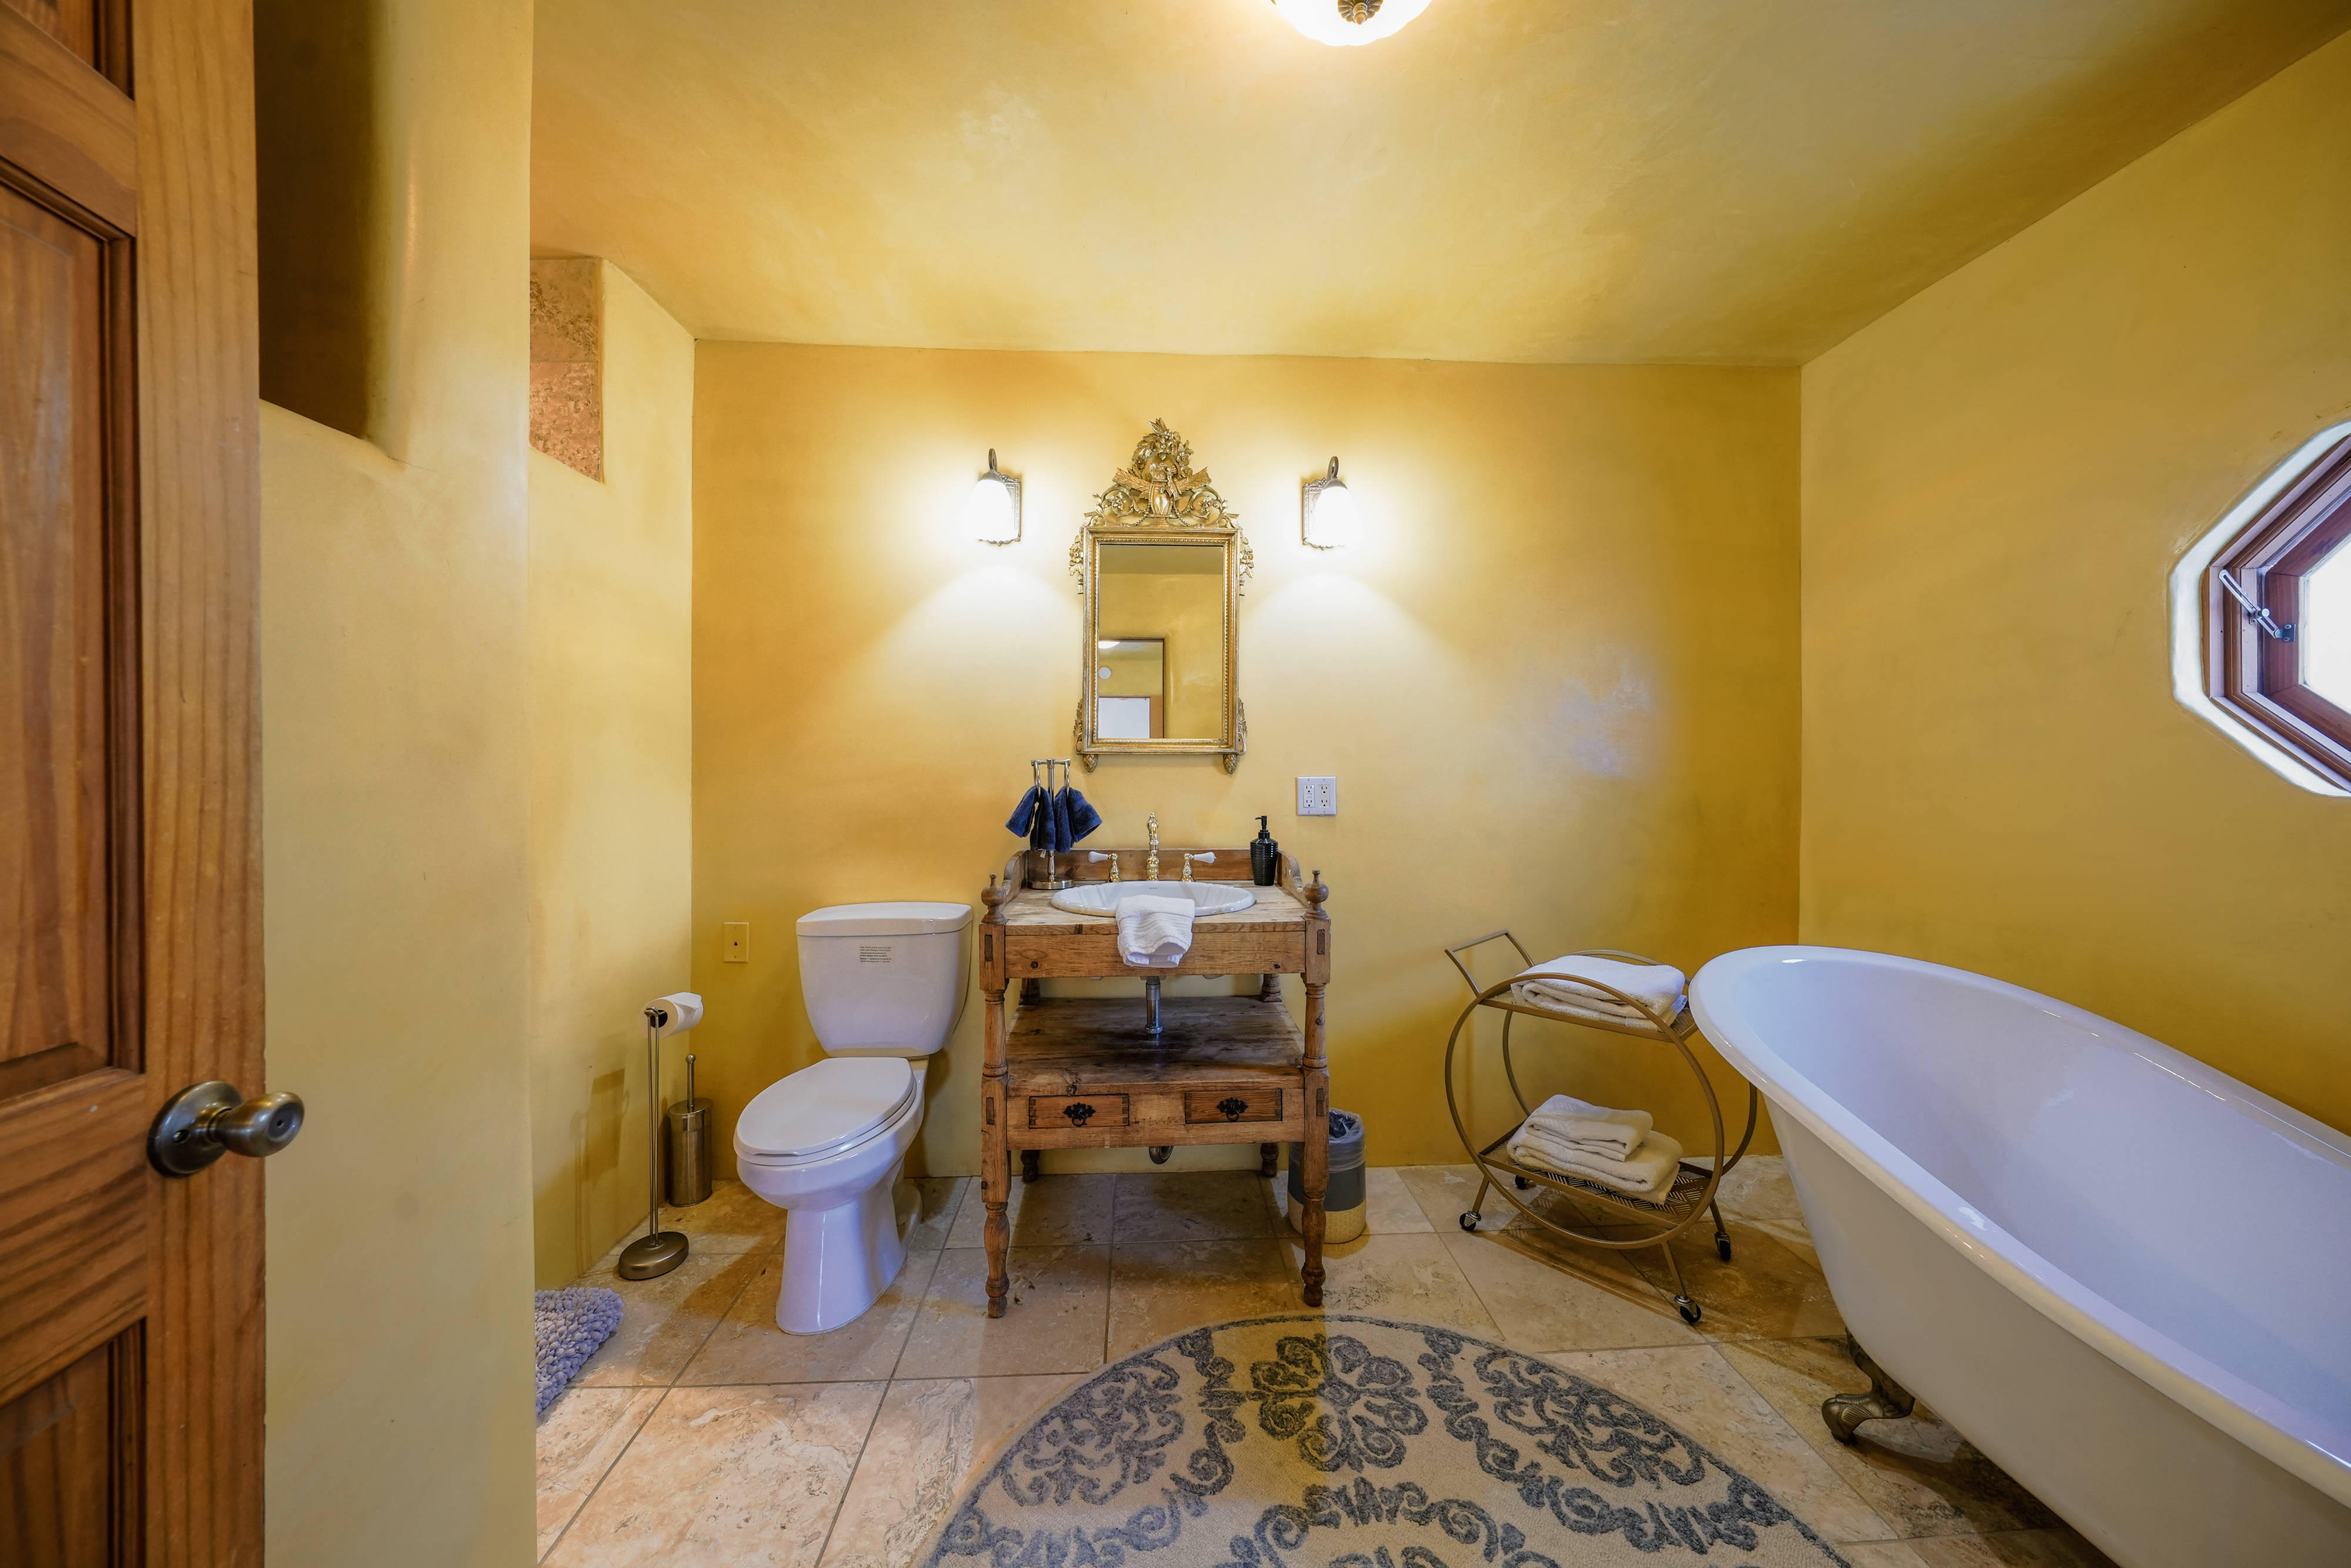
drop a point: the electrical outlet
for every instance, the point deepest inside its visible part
(1318, 797)
(734, 947)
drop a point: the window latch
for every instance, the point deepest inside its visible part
(2258, 614)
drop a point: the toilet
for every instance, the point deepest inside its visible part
(884, 984)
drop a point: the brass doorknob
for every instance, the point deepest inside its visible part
(205, 1121)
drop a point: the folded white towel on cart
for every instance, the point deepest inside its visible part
(1648, 1174)
(1560, 984)
(1154, 933)
(1595, 1129)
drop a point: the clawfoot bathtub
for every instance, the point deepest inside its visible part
(2124, 1276)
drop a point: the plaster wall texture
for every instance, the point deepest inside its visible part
(1587, 182)
(612, 745)
(1556, 678)
(1998, 479)
(396, 808)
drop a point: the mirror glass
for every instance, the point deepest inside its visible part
(1159, 648)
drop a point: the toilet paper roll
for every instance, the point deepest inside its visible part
(674, 1013)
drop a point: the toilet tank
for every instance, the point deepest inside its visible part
(884, 980)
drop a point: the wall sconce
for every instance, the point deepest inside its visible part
(992, 512)
(1328, 510)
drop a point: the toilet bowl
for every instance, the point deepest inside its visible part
(884, 984)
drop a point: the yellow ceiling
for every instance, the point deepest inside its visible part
(1507, 180)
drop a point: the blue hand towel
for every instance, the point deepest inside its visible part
(1059, 821)
(1083, 818)
(1024, 815)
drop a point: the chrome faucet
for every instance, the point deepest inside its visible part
(1151, 867)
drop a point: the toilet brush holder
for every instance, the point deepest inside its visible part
(689, 1146)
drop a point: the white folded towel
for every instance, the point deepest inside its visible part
(1154, 933)
(1648, 1174)
(1560, 985)
(1595, 1129)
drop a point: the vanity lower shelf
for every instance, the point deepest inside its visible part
(1081, 1073)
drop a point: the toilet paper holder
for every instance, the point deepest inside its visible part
(657, 1251)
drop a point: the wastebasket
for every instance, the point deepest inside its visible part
(1342, 1197)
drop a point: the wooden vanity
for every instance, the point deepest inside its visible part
(1083, 1073)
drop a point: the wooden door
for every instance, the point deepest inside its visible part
(131, 1371)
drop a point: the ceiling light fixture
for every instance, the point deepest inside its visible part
(993, 513)
(1349, 21)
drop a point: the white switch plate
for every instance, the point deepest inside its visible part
(736, 946)
(1318, 797)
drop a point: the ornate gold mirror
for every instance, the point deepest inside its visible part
(1161, 560)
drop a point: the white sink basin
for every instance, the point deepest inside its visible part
(1101, 897)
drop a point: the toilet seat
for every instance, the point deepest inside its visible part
(824, 1108)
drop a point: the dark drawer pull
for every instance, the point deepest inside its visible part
(1232, 1105)
(1078, 1114)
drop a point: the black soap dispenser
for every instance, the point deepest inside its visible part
(1262, 853)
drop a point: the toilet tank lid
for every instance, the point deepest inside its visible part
(832, 1102)
(884, 919)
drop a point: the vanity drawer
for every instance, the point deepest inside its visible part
(1087, 1111)
(1232, 1105)
(1035, 954)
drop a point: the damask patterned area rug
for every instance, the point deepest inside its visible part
(1330, 1441)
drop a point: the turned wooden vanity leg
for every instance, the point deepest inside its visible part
(1315, 1156)
(1314, 1177)
(1269, 1156)
(995, 1157)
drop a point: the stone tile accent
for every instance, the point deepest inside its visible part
(566, 362)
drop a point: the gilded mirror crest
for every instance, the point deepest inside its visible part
(1161, 559)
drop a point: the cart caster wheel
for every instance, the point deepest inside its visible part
(1722, 1247)
(1688, 1309)
(1524, 1182)
(1469, 1220)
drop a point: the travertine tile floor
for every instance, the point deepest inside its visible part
(702, 1433)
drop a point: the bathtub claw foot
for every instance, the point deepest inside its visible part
(1887, 1399)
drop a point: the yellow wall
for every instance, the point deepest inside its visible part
(1556, 681)
(611, 777)
(1998, 479)
(395, 815)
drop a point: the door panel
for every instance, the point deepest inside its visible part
(131, 1309)
(57, 968)
(69, 1451)
(91, 31)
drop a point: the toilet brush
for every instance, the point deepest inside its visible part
(657, 1251)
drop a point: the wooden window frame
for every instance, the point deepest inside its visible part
(2253, 674)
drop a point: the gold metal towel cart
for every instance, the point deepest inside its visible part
(1694, 1188)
